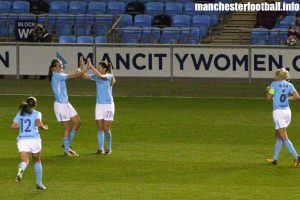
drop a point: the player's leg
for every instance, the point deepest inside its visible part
(289, 145)
(107, 136)
(108, 119)
(100, 134)
(24, 161)
(38, 170)
(67, 127)
(75, 120)
(277, 149)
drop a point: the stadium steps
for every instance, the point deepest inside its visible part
(236, 30)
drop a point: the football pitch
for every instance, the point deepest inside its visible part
(183, 140)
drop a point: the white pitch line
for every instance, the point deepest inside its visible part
(165, 97)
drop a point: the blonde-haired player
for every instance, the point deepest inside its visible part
(281, 91)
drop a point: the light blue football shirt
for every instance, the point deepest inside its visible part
(28, 128)
(282, 90)
(104, 89)
(58, 84)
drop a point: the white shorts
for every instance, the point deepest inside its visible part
(105, 111)
(282, 118)
(30, 145)
(64, 111)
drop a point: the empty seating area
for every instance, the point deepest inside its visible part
(90, 21)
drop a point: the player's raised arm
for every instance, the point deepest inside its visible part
(95, 71)
(15, 125)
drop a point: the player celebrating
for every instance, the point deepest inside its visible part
(282, 91)
(64, 111)
(105, 107)
(28, 121)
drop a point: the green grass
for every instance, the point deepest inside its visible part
(163, 148)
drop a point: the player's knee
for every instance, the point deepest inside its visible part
(106, 129)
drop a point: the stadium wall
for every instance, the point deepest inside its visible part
(154, 60)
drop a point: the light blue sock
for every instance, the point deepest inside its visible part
(38, 170)
(72, 134)
(290, 148)
(23, 165)
(277, 149)
(101, 140)
(108, 140)
(67, 145)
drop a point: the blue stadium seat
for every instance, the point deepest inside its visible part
(170, 35)
(259, 36)
(58, 7)
(187, 1)
(101, 30)
(203, 23)
(3, 26)
(131, 34)
(278, 36)
(67, 39)
(115, 8)
(83, 25)
(214, 17)
(190, 36)
(85, 39)
(181, 21)
(20, 7)
(5, 6)
(95, 8)
(126, 20)
(286, 22)
(77, 7)
(173, 8)
(189, 9)
(100, 39)
(154, 8)
(142, 20)
(150, 35)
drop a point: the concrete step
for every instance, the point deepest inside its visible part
(239, 22)
(235, 33)
(228, 37)
(243, 17)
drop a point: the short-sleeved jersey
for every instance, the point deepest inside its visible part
(58, 84)
(104, 89)
(281, 90)
(28, 128)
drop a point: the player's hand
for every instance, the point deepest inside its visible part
(81, 63)
(45, 127)
(89, 63)
(268, 88)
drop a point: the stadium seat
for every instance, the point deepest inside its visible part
(5, 6)
(142, 20)
(214, 17)
(126, 20)
(77, 7)
(85, 39)
(181, 21)
(150, 35)
(67, 39)
(286, 22)
(154, 8)
(189, 9)
(95, 8)
(100, 39)
(101, 30)
(115, 8)
(278, 36)
(259, 36)
(173, 8)
(190, 36)
(20, 7)
(3, 26)
(82, 26)
(131, 34)
(203, 23)
(170, 35)
(58, 7)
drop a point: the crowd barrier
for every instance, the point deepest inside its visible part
(171, 61)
